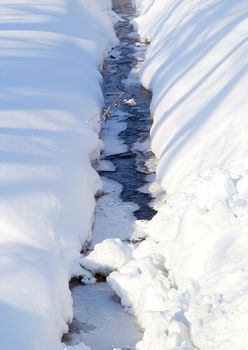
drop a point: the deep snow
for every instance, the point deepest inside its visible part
(50, 54)
(187, 283)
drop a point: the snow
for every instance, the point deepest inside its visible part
(107, 256)
(51, 53)
(187, 283)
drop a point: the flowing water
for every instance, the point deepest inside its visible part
(116, 70)
(99, 319)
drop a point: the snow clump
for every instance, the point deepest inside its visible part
(107, 256)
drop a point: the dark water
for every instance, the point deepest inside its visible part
(116, 69)
(130, 172)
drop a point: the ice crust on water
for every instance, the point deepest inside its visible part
(77, 347)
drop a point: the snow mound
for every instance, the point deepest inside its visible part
(196, 67)
(50, 56)
(145, 287)
(107, 256)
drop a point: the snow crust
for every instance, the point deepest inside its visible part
(187, 283)
(50, 53)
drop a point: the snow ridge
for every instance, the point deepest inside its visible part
(50, 84)
(187, 283)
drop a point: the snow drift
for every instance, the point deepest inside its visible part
(50, 53)
(191, 284)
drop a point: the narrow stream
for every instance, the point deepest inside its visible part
(99, 319)
(116, 71)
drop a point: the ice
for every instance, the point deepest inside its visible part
(130, 102)
(112, 144)
(103, 324)
(105, 165)
(77, 347)
(113, 218)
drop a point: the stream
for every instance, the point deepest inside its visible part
(99, 319)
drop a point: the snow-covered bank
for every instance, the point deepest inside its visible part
(196, 67)
(50, 54)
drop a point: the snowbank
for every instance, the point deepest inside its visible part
(107, 256)
(196, 66)
(50, 54)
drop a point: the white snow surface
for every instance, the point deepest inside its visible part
(188, 282)
(50, 56)
(107, 256)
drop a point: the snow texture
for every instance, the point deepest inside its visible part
(188, 283)
(50, 53)
(107, 256)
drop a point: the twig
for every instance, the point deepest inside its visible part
(106, 115)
